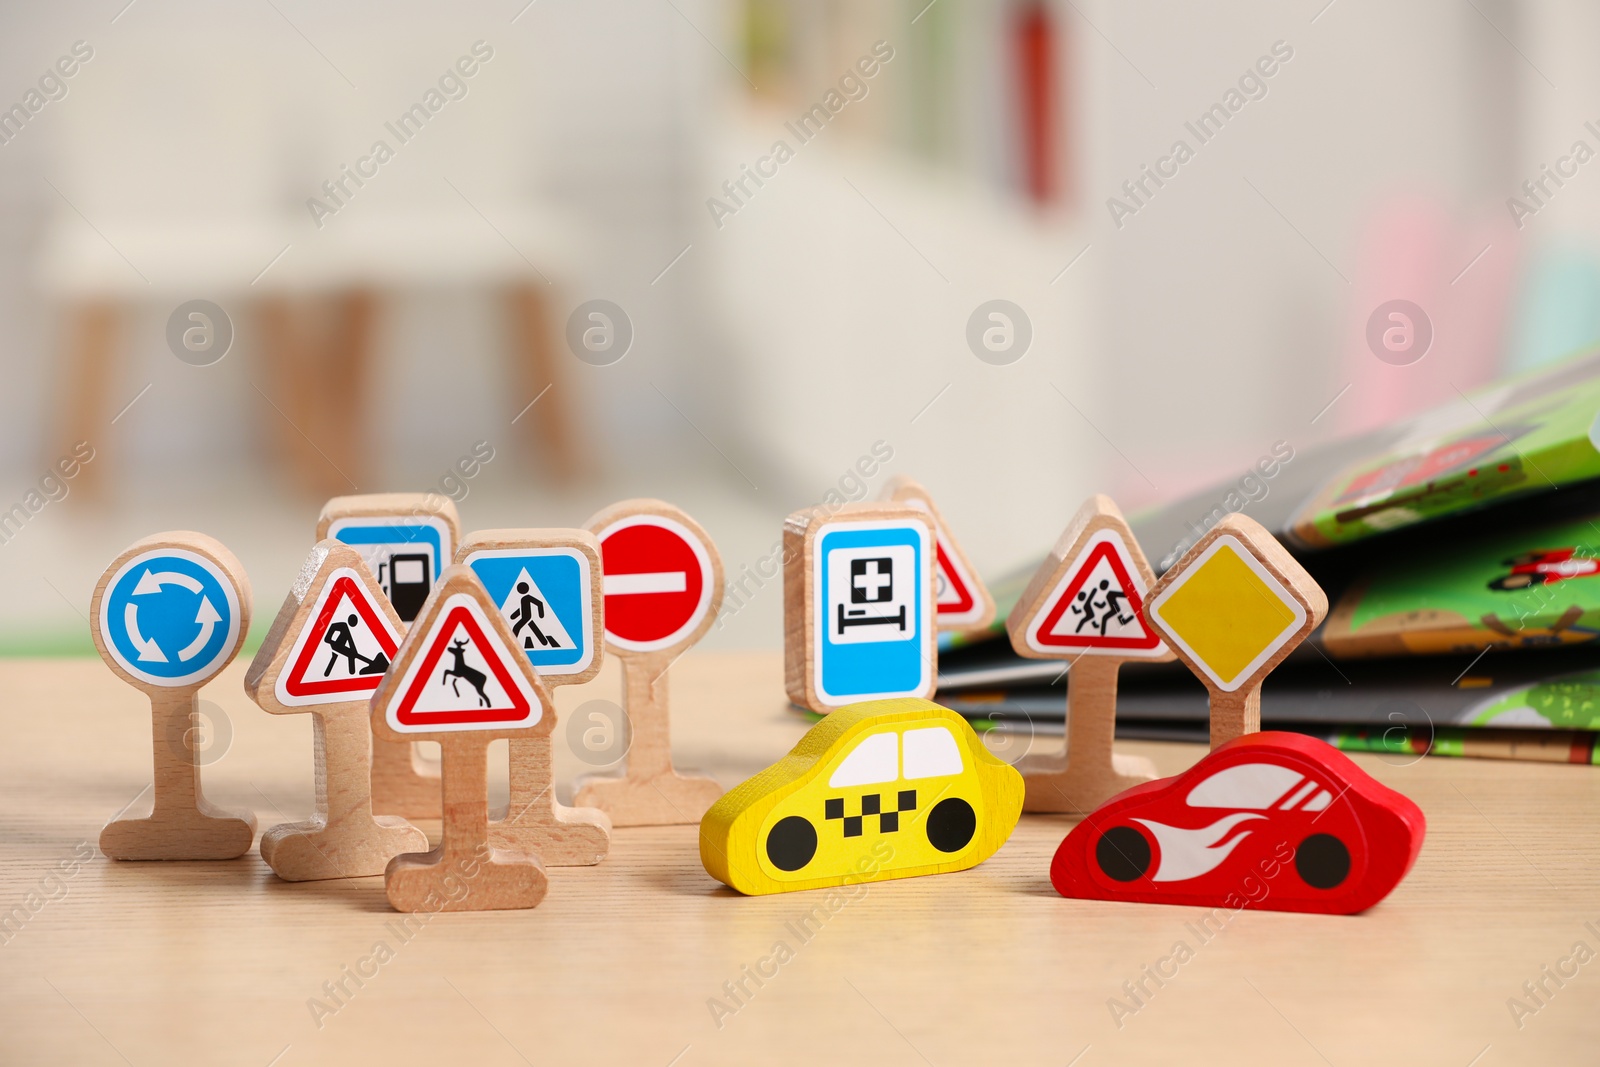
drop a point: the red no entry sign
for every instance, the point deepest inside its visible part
(658, 582)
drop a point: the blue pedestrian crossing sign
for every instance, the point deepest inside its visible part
(170, 617)
(873, 633)
(546, 594)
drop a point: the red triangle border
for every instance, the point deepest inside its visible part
(460, 615)
(295, 682)
(1106, 550)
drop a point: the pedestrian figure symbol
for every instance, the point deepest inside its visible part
(522, 617)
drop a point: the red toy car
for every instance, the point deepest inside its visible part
(1270, 820)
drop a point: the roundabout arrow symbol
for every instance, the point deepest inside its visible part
(149, 651)
(150, 582)
(208, 619)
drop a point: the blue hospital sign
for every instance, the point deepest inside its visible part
(545, 594)
(874, 632)
(170, 617)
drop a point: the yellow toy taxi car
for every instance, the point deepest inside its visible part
(878, 790)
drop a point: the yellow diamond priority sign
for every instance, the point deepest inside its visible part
(1228, 613)
(1235, 604)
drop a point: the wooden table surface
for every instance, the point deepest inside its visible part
(221, 963)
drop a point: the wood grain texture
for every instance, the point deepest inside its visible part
(343, 839)
(181, 823)
(222, 963)
(403, 783)
(1236, 710)
(650, 791)
(494, 879)
(800, 611)
(534, 820)
(1088, 773)
(904, 489)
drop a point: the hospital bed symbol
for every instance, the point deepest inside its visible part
(871, 582)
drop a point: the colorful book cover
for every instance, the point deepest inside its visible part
(1529, 434)
(1568, 702)
(1531, 588)
(1556, 746)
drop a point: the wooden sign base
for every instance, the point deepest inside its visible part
(1084, 778)
(182, 824)
(464, 873)
(344, 839)
(651, 793)
(402, 782)
(535, 822)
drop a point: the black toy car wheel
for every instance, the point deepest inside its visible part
(1322, 861)
(951, 824)
(1123, 854)
(791, 843)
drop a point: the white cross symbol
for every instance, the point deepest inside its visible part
(873, 580)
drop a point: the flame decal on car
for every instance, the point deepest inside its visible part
(1188, 854)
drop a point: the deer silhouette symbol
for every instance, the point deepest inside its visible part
(459, 672)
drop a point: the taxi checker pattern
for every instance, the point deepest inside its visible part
(871, 804)
(881, 789)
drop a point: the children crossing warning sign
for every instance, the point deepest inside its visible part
(464, 677)
(343, 650)
(1097, 606)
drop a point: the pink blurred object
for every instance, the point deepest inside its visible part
(1460, 275)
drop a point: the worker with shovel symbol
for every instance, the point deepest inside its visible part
(342, 643)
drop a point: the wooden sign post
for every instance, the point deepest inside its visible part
(547, 583)
(460, 680)
(1232, 608)
(858, 605)
(407, 540)
(1085, 604)
(168, 614)
(961, 601)
(328, 649)
(663, 586)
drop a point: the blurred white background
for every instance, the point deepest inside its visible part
(776, 343)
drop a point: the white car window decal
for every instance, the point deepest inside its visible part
(1308, 787)
(1246, 785)
(876, 759)
(931, 753)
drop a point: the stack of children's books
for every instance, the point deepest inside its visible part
(1461, 557)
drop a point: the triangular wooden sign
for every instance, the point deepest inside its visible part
(1085, 604)
(327, 651)
(459, 678)
(962, 603)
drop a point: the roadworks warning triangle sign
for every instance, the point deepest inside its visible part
(344, 645)
(534, 622)
(460, 669)
(1097, 606)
